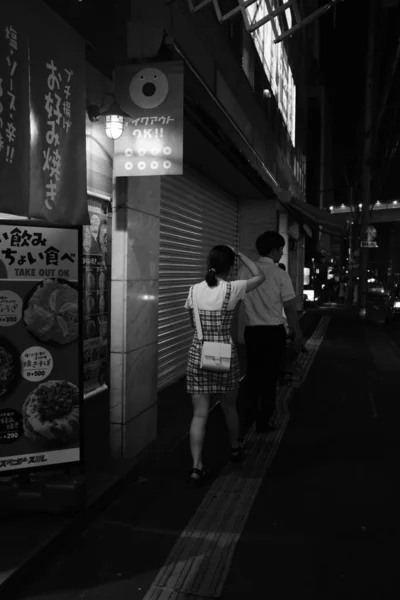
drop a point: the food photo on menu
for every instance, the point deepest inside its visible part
(40, 393)
(52, 313)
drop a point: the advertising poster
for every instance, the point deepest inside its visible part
(58, 105)
(152, 142)
(95, 297)
(40, 346)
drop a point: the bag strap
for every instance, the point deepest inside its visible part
(194, 290)
(196, 313)
(227, 297)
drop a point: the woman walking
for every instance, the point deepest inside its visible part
(215, 300)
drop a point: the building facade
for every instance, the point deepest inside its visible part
(245, 171)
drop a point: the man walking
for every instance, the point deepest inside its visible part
(265, 334)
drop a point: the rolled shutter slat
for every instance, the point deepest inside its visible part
(194, 217)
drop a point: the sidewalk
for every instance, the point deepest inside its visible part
(321, 519)
(28, 539)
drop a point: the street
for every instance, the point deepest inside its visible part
(322, 515)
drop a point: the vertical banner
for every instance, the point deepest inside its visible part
(152, 143)
(58, 104)
(96, 296)
(14, 111)
(40, 346)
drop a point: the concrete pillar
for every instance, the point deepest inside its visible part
(134, 311)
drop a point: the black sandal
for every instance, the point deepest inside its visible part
(202, 477)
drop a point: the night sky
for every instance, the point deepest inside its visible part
(344, 41)
(344, 49)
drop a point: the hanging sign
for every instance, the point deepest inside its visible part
(58, 144)
(14, 111)
(152, 142)
(40, 346)
(369, 237)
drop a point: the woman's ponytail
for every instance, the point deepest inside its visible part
(211, 278)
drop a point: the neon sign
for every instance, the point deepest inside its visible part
(276, 63)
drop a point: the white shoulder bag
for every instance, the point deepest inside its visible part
(215, 356)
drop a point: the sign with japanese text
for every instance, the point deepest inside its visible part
(96, 296)
(14, 112)
(40, 346)
(152, 142)
(58, 97)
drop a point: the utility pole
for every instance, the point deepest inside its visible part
(367, 156)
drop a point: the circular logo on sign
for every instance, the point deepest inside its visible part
(167, 150)
(11, 425)
(37, 363)
(167, 164)
(154, 164)
(10, 308)
(141, 151)
(128, 152)
(148, 88)
(129, 165)
(141, 165)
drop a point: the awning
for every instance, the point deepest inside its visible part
(305, 214)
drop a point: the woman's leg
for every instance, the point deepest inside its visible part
(201, 404)
(228, 405)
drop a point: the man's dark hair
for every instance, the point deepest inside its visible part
(268, 241)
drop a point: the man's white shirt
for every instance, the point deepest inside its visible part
(264, 305)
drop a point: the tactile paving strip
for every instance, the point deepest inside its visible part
(200, 560)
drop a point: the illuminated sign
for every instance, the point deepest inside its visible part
(276, 63)
(152, 142)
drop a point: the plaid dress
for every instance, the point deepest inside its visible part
(216, 326)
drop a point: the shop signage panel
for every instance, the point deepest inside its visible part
(14, 111)
(58, 101)
(275, 62)
(96, 281)
(368, 244)
(40, 346)
(152, 142)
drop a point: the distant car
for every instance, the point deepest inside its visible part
(396, 306)
(381, 305)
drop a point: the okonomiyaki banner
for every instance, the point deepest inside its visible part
(42, 115)
(40, 346)
(58, 104)
(14, 110)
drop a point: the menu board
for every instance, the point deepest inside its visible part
(40, 346)
(95, 297)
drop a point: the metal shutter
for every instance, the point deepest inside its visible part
(194, 217)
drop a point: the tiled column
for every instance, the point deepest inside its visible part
(134, 310)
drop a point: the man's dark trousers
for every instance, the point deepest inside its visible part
(265, 349)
